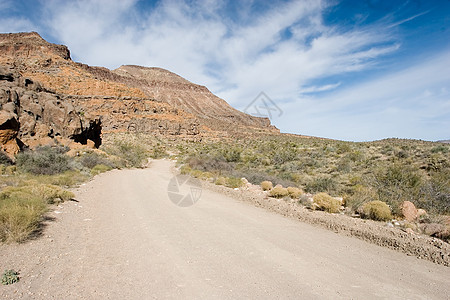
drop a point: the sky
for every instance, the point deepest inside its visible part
(357, 70)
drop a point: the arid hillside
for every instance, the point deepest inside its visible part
(98, 100)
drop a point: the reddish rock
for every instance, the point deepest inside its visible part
(409, 211)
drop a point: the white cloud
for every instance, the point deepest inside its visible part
(239, 57)
(411, 103)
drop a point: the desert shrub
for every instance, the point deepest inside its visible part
(185, 170)
(10, 277)
(221, 181)
(4, 159)
(92, 159)
(232, 154)
(234, 182)
(211, 164)
(294, 192)
(397, 183)
(321, 184)
(360, 195)
(327, 203)
(97, 169)
(284, 154)
(440, 148)
(20, 214)
(266, 185)
(133, 154)
(377, 210)
(44, 160)
(279, 192)
(435, 193)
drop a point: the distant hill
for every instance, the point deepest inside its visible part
(444, 141)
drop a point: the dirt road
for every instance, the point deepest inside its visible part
(125, 239)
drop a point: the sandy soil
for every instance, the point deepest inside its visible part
(124, 238)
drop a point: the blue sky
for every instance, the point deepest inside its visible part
(351, 70)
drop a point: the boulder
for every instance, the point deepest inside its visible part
(409, 211)
(432, 229)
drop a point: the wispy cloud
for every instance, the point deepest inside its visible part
(407, 19)
(285, 49)
(315, 89)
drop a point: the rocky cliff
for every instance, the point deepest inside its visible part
(45, 95)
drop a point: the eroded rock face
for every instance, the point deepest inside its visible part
(31, 116)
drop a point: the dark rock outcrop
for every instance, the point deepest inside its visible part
(31, 116)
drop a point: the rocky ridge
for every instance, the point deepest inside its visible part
(45, 96)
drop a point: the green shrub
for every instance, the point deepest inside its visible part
(278, 192)
(100, 169)
(440, 148)
(234, 182)
(185, 170)
(10, 277)
(360, 195)
(221, 181)
(266, 185)
(133, 155)
(327, 203)
(321, 184)
(92, 159)
(377, 210)
(436, 193)
(44, 161)
(294, 192)
(397, 183)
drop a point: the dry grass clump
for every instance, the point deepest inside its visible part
(377, 210)
(266, 185)
(22, 208)
(230, 182)
(20, 214)
(327, 203)
(294, 192)
(279, 192)
(97, 169)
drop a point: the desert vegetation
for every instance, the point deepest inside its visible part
(372, 178)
